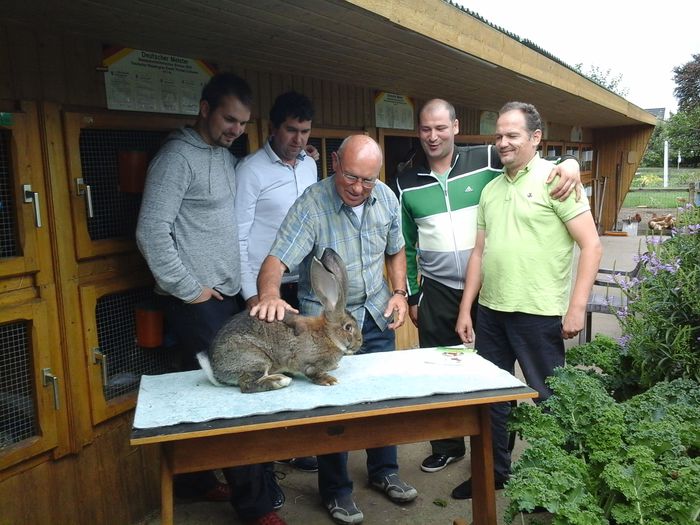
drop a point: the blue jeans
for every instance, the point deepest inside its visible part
(333, 478)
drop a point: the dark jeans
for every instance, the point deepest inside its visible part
(537, 344)
(194, 327)
(333, 478)
(437, 316)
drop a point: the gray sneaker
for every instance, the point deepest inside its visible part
(344, 511)
(396, 490)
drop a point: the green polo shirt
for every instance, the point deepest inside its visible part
(528, 252)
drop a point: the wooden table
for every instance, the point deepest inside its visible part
(257, 439)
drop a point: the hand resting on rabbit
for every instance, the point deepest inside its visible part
(255, 354)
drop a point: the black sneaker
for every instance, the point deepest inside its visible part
(464, 490)
(276, 492)
(437, 462)
(307, 464)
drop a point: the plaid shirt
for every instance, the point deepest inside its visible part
(319, 219)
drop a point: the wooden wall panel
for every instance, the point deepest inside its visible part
(6, 76)
(62, 68)
(613, 147)
(109, 482)
(25, 63)
(52, 71)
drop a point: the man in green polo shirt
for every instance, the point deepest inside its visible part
(521, 268)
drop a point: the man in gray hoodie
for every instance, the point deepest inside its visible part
(188, 235)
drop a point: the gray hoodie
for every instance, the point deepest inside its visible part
(187, 226)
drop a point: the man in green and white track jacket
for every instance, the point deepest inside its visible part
(439, 204)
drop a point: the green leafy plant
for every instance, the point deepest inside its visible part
(618, 442)
(648, 179)
(592, 460)
(661, 324)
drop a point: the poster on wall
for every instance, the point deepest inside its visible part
(487, 122)
(138, 80)
(393, 111)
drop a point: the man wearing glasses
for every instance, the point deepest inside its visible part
(358, 216)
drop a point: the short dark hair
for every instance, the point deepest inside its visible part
(436, 103)
(226, 84)
(291, 104)
(533, 121)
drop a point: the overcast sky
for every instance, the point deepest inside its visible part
(641, 40)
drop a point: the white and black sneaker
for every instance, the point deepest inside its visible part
(437, 462)
(395, 488)
(344, 511)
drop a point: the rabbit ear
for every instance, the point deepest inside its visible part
(334, 264)
(325, 286)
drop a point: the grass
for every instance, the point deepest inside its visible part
(677, 178)
(653, 199)
(648, 179)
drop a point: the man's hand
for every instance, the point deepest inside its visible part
(413, 314)
(398, 307)
(207, 293)
(251, 302)
(573, 322)
(312, 152)
(271, 309)
(569, 179)
(464, 327)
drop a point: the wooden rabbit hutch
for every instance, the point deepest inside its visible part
(71, 278)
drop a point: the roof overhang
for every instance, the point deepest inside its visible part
(422, 48)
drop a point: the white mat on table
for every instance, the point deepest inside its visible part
(189, 397)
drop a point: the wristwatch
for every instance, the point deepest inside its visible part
(400, 292)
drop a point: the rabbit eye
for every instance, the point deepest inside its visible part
(348, 327)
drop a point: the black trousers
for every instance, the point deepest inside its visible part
(194, 327)
(537, 344)
(437, 316)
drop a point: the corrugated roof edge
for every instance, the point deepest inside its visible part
(523, 41)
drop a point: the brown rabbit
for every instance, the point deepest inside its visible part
(254, 354)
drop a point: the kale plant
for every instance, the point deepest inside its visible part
(592, 460)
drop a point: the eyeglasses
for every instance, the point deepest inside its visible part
(352, 179)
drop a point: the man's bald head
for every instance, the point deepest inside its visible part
(361, 146)
(356, 165)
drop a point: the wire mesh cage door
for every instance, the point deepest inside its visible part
(107, 159)
(30, 393)
(22, 201)
(117, 359)
(107, 164)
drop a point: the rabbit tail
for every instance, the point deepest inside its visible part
(203, 359)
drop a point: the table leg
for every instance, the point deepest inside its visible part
(166, 489)
(483, 491)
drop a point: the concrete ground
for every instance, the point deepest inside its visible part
(434, 506)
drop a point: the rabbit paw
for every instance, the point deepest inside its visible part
(250, 384)
(274, 381)
(324, 379)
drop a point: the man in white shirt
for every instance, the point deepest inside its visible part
(267, 183)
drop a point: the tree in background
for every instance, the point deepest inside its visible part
(682, 129)
(604, 78)
(687, 79)
(654, 156)
(683, 133)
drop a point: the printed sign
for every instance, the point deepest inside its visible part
(393, 111)
(149, 81)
